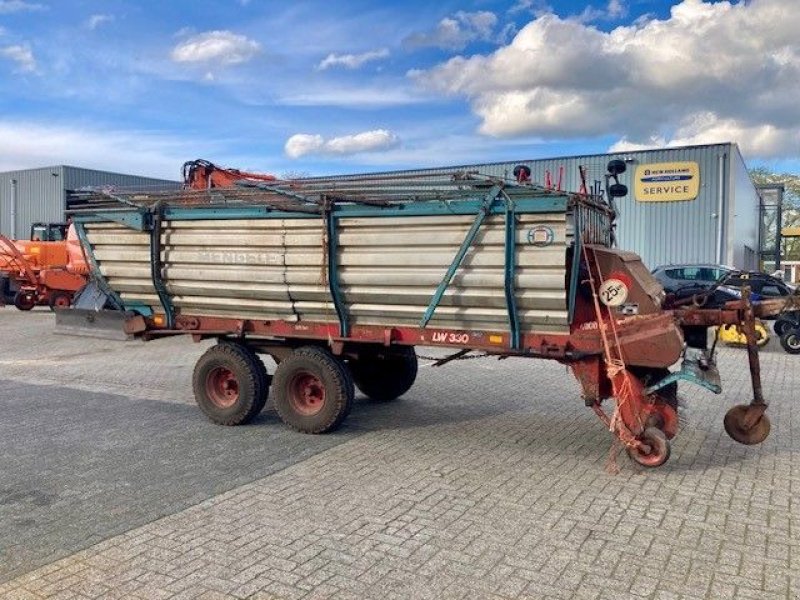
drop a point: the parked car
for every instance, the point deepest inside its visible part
(676, 277)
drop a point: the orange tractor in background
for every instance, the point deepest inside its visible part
(46, 270)
(201, 174)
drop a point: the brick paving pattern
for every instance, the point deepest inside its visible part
(486, 480)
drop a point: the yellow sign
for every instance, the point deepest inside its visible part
(667, 182)
(790, 232)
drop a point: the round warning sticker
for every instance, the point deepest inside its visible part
(613, 292)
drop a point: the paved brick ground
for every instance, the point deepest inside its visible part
(486, 481)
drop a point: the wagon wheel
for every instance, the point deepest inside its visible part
(25, 300)
(657, 449)
(790, 341)
(385, 375)
(60, 300)
(313, 391)
(229, 387)
(737, 427)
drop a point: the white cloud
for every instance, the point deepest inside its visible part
(535, 7)
(12, 6)
(26, 145)
(22, 55)
(708, 70)
(364, 97)
(351, 61)
(216, 47)
(377, 140)
(614, 10)
(96, 20)
(454, 33)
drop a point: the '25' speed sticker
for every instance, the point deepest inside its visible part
(613, 292)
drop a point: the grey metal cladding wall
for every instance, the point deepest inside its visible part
(743, 217)
(76, 177)
(39, 198)
(660, 232)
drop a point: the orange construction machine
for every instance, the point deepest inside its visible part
(202, 175)
(47, 269)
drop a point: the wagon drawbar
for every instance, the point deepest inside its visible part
(338, 279)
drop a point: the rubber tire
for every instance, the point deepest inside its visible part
(264, 377)
(252, 394)
(335, 378)
(387, 374)
(24, 301)
(790, 340)
(57, 296)
(658, 441)
(784, 323)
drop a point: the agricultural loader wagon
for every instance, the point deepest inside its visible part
(338, 279)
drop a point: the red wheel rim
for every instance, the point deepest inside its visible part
(222, 387)
(61, 302)
(306, 394)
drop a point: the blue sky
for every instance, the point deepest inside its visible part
(325, 87)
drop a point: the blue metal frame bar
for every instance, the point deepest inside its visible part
(333, 275)
(484, 210)
(155, 268)
(134, 219)
(577, 251)
(510, 274)
(98, 277)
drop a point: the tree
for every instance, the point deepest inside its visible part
(790, 249)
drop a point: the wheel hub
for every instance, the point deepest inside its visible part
(307, 394)
(222, 387)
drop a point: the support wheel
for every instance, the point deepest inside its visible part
(736, 426)
(785, 322)
(386, 374)
(228, 385)
(659, 449)
(24, 300)
(790, 340)
(313, 391)
(60, 300)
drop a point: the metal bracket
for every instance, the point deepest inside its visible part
(333, 274)
(155, 267)
(696, 368)
(510, 274)
(484, 210)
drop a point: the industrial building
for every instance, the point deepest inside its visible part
(694, 204)
(42, 195)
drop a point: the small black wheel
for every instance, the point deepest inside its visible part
(737, 428)
(790, 340)
(60, 300)
(784, 323)
(25, 300)
(616, 166)
(228, 385)
(657, 452)
(312, 390)
(386, 374)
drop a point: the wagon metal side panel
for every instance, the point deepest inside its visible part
(388, 269)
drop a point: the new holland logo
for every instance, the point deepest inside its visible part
(667, 182)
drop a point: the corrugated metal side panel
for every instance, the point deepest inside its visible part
(660, 232)
(743, 216)
(389, 270)
(39, 198)
(76, 177)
